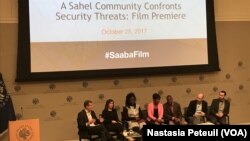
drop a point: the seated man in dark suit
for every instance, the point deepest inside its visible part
(172, 112)
(219, 109)
(88, 124)
(197, 110)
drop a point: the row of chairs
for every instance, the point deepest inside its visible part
(144, 113)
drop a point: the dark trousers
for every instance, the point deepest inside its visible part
(218, 120)
(99, 130)
(115, 127)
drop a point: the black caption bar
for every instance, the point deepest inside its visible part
(196, 132)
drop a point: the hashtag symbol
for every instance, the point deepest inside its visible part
(107, 55)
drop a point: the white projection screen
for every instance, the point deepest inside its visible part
(68, 39)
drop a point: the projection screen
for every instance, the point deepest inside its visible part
(65, 39)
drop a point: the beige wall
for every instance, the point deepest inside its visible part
(233, 46)
(232, 10)
(37, 100)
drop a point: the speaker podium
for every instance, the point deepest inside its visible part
(24, 130)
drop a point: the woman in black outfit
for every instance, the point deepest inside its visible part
(111, 121)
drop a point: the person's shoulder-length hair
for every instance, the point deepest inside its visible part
(107, 104)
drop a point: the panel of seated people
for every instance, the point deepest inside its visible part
(107, 125)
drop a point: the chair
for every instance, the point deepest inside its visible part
(228, 120)
(144, 114)
(185, 113)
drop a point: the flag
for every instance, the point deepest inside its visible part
(7, 112)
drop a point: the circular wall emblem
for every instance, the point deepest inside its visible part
(69, 99)
(116, 82)
(24, 133)
(17, 88)
(215, 89)
(174, 79)
(53, 113)
(201, 77)
(188, 90)
(228, 76)
(241, 87)
(85, 84)
(35, 101)
(240, 64)
(52, 86)
(145, 81)
(101, 96)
